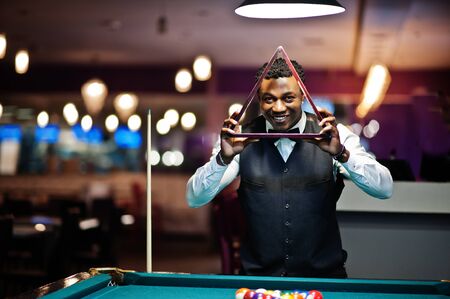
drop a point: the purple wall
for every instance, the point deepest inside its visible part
(414, 127)
(411, 130)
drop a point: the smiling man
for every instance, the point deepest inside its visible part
(289, 188)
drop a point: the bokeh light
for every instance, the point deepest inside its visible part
(188, 121)
(42, 119)
(163, 126)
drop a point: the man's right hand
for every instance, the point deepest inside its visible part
(231, 146)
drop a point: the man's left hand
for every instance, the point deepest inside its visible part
(333, 144)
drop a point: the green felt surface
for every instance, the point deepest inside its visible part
(156, 292)
(195, 286)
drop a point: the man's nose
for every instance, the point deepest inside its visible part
(279, 106)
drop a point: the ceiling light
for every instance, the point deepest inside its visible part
(285, 9)
(40, 227)
(125, 105)
(375, 87)
(356, 128)
(134, 122)
(154, 158)
(42, 119)
(188, 121)
(172, 116)
(111, 123)
(202, 68)
(86, 123)
(127, 219)
(94, 93)
(178, 158)
(168, 158)
(22, 61)
(183, 80)
(371, 129)
(70, 114)
(2, 45)
(163, 126)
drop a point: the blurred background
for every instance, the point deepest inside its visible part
(79, 80)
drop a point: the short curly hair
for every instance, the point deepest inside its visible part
(280, 69)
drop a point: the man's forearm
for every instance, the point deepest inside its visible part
(368, 174)
(209, 180)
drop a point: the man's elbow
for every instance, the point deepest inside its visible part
(193, 204)
(191, 201)
(194, 201)
(386, 192)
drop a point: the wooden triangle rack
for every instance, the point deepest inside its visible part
(279, 52)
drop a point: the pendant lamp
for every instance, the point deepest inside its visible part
(286, 9)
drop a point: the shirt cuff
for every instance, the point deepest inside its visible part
(215, 166)
(352, 164)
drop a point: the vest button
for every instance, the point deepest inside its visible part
(286, 257)
(287, 206)
(283, 273)
(287, 223)
(285, 170)
(287, 241)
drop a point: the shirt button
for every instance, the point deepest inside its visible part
(287, 206)
(287, 241)
(285, 170)
(283, 273)
(287, 223)
(286, 257)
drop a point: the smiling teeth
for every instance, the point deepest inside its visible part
(279, 118)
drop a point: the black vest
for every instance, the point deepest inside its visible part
(290, 208)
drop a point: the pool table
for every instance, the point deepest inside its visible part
(119, 284)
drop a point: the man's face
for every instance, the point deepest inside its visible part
(280, 101)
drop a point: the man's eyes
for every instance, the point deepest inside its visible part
(288, 98)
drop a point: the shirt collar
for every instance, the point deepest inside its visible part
(300, 125)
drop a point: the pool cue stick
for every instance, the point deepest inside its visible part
(149, 193)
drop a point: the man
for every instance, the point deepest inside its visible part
(289, 189)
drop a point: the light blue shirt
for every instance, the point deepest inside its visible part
(361, 167)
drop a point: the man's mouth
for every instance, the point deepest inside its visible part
(279, 118)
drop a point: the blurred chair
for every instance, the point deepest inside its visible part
(28, 258)
(91, 242)
(6, 228)
(59, 205)
(17, 206)
(435, 168)
(400, 169)
(230, 228)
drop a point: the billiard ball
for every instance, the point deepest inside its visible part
(258, 295)
(299, 295)
(249, 294)
(276, 294)
(241, 292)
(313, 294)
